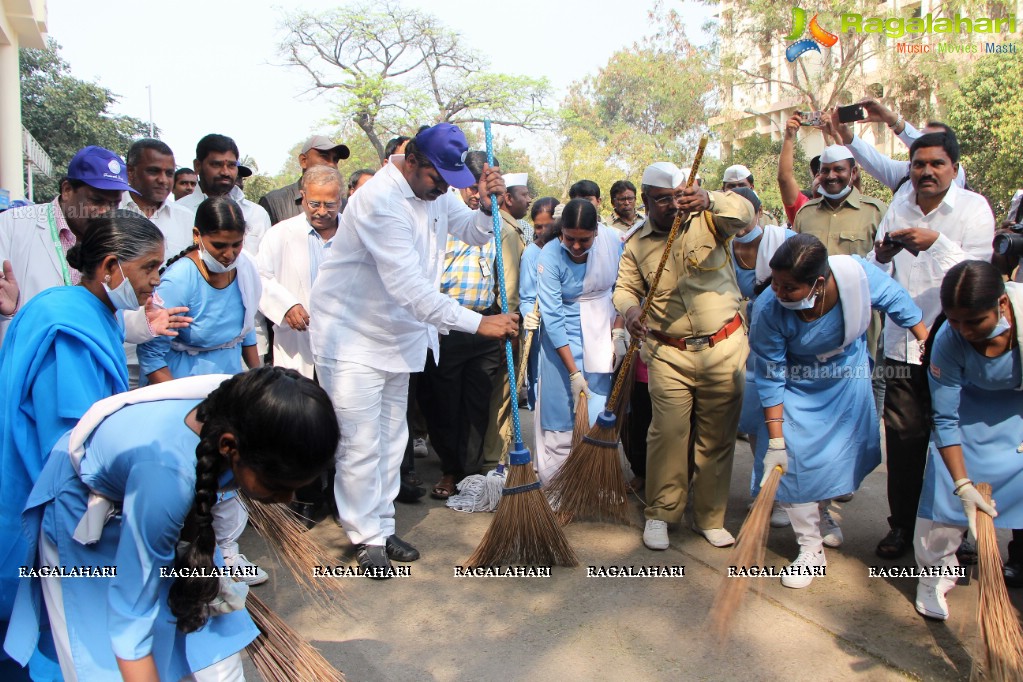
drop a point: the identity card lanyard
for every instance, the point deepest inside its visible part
(55, 236)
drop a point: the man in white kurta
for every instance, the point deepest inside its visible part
(377, 308)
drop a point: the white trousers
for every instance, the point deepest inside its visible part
(370, 406)
(229, 519)
(806, 522)
(555, 450)
(228, 670)
(935, 544)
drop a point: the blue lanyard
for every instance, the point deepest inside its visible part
(55, 236)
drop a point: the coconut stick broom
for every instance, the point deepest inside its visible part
(282, 655)
(524, 530)
(590, 484)
(1000, 631)
(750, 548)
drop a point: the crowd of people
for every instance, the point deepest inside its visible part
(295, 349)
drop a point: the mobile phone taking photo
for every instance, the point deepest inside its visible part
(810, 118)
(850, 113)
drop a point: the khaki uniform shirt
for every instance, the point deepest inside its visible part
(849, 230)
(513, 243)
(621, 225)
(698, 293)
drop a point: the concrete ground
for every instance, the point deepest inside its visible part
(434, 626)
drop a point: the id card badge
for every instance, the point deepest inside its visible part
(485, 266)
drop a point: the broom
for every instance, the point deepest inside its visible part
(750, 548)
(293, 546)
(582, 421)
(1000, 630)
(282, 655)
(591, 482)
(524, 530)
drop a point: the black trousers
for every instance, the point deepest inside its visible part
(637, 423)
(907, 425)
(454, 395)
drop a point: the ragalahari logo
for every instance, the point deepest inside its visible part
(818, 35)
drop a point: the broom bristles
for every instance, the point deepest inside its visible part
(300, 553)
(750, 549)
(524, 531)
(1000, 630)
(582, 420)
(282, 655)
(591, 484)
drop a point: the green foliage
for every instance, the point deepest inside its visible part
(761, 154)
(986, 111)
(65, 114)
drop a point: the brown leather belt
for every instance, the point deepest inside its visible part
(697, 343)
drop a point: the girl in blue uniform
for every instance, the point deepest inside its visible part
(220, 285)
(577, 351)
(63, 352)
(977, 399)
(266, 432)
(814, 381)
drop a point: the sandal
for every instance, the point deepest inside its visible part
(445, 488)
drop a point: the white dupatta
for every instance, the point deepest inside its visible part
(596, 310)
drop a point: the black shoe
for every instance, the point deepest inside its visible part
(374, 562)
(894, 545)
(304, 511)
(399, 550)
(1013, 573)
(408, 493)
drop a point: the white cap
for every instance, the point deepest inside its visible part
(736, 173)
(663, 174)
(558, 210)
(515, 179)
(835, 152)
(687, 171)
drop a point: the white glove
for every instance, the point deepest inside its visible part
(230, 598)
(972, 501)
(777, 456)
(578, 385)
(531, 322)
(621, 347)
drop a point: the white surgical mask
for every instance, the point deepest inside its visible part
(576, 255)
(802, 304)
(123, 296)
(212, 264)
(835, 197)
(753, 234)
(1000, 328)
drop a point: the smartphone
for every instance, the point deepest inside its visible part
(850, 113)
(810, 118)
(888, 241)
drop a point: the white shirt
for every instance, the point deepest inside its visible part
(888, 171)
(257, 220)
(174, 221)
(966, 229)
(376, 300)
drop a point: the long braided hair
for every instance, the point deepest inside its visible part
(285, 431)
(216, 214)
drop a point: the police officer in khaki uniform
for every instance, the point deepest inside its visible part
(514, 207)
(695, 349)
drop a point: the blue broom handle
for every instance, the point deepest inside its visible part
(501, 285)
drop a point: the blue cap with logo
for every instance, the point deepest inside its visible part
(99, 168)
(445, 147)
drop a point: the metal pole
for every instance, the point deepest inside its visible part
(150, 89)
(28, 174)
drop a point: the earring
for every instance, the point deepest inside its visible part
(106, 280)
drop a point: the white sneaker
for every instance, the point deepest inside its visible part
(719, 537)
(804, 568)
(655, 534)
(832, 534)
(419, 448)
(251, 574)
(931, 602)
(779, 517)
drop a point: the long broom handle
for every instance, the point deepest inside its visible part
(526, 346)
(494, 210)
(612, 401)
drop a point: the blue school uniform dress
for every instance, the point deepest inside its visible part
(560, 283)
(976, 404)
(830, 423)
(212, 344)
(527, 299)
(149, 473)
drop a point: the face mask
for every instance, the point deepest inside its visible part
(804, 304)
(574, 254)
(835, 197)
(212, 264)
(753, 234)
(1000, 328)
(123, 297)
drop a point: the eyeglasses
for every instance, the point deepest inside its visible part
(665, 200)
(329, 205)
(624, 200)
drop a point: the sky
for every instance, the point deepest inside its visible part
(214, 66)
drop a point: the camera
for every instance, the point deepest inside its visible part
(1010, 243)
(810, 118)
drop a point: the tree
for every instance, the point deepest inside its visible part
(392, 68)
(986, 111)
(65, 114)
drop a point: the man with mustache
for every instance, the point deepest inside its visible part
(924, 234)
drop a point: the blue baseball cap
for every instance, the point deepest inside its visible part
(99, 168)
(445, 147)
